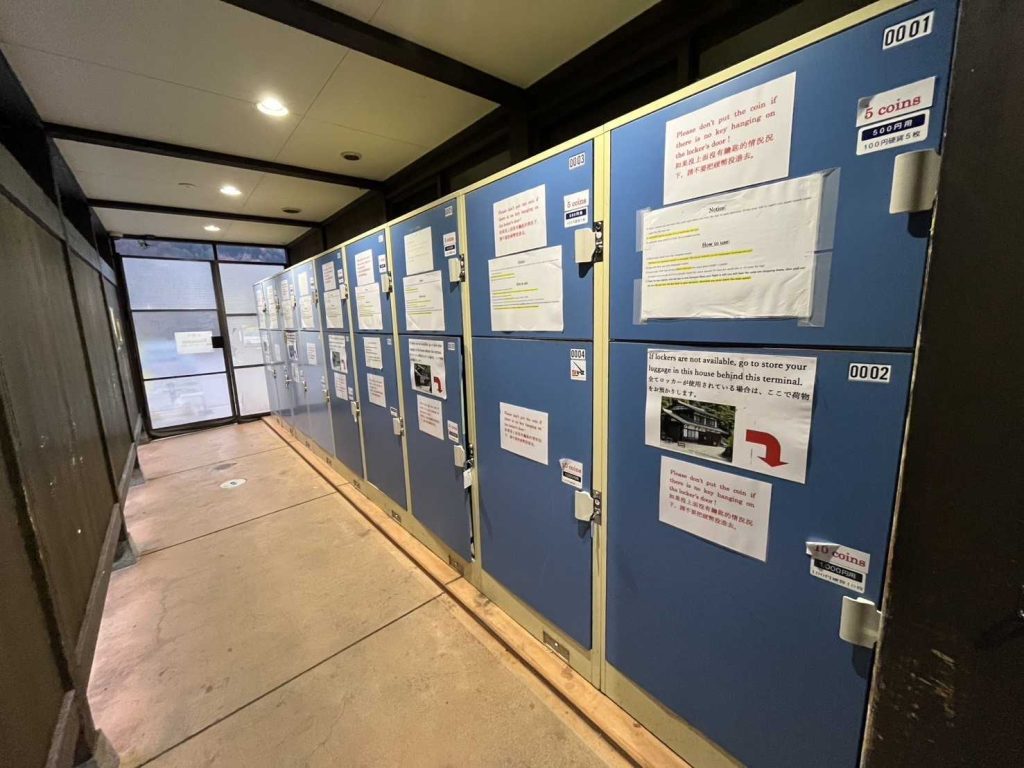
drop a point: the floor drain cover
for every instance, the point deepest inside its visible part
(233, 483)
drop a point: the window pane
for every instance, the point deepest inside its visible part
(166, 249)
(158, 350)
(252, 253)
(244, 333)
(251, 384)
(155, 284)
(236, 282)
(173, 402)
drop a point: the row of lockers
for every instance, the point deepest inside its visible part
(648, 389)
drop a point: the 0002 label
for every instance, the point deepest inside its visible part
(877, 374)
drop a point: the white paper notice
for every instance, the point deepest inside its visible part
(526, 291)
(428, 412)
(524, 431)
(341, 386)
(306, 311)
(424, 302)
(193, 342)
(364, 267)
(577, 208)
(572, 472)
(717, 506)
(339, 353)
(372, 352)
(303, 285)
(741, 254)
(327, 272)
(310, 353)
(738, 141)
(451, 245)
(332, 309)
(419, 251)
(749, 411)
(520, 222)
(368, 309)
(426, 367)
(839, 565)
(453, 431)
(375, 390)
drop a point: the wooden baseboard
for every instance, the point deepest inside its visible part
(85, 647)
(625, 733)
(65, 734)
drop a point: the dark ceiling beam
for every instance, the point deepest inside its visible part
(149, 146)
(329, 24)
(122, 205)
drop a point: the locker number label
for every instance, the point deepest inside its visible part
(905, 31)
(577, 161)
(875, 374)
(578, 364)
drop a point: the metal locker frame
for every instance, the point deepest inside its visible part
(588, 663)
(679, 735)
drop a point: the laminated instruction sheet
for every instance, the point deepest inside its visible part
(426, 367)
(333, 312)
(424, 301)
(368, 307)
(419, 251)
(339, 353)
(526, 291)
(748, 411)
(741, 254)
(520, 222)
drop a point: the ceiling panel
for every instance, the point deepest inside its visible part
(189, 227)
(516, 41)
(316, 199)
(316, 144)
(91, 96)
(370, 95)
(204, 44)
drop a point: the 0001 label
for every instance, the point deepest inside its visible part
(877, 374)
(905, 31)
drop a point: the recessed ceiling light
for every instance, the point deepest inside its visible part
(212, 228)
(351, 156)
(271, 106)
(291, 210)
(230, 190)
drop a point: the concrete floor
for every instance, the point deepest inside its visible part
(271, 625)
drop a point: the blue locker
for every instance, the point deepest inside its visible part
(368, 278)
(339, 359)
(877, 260)
(316, 397)
(296, 383)
(289, 348)
(531, 540)
(433, 236)
(385, 464)
(435, 427)
(430, 306)
(746, 651)
(564, 175)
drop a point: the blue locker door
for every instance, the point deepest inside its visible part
(368, 272)
(342, 385)
(270, 371)
(421, 247)
(385, 464)
(280, 372)
(531, 540)
(869, 273)
(556, 182)
(296, 382)
(746, 651)
(317, 393)
(435, 426)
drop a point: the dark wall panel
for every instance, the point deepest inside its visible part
(52, 416)
(124, 365)
(30, 686)
(106, 377)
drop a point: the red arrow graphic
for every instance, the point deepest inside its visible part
(437, 381)
(772, 450)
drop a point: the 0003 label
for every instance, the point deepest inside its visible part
(876, 374)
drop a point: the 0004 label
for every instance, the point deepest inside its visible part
(876, 374)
